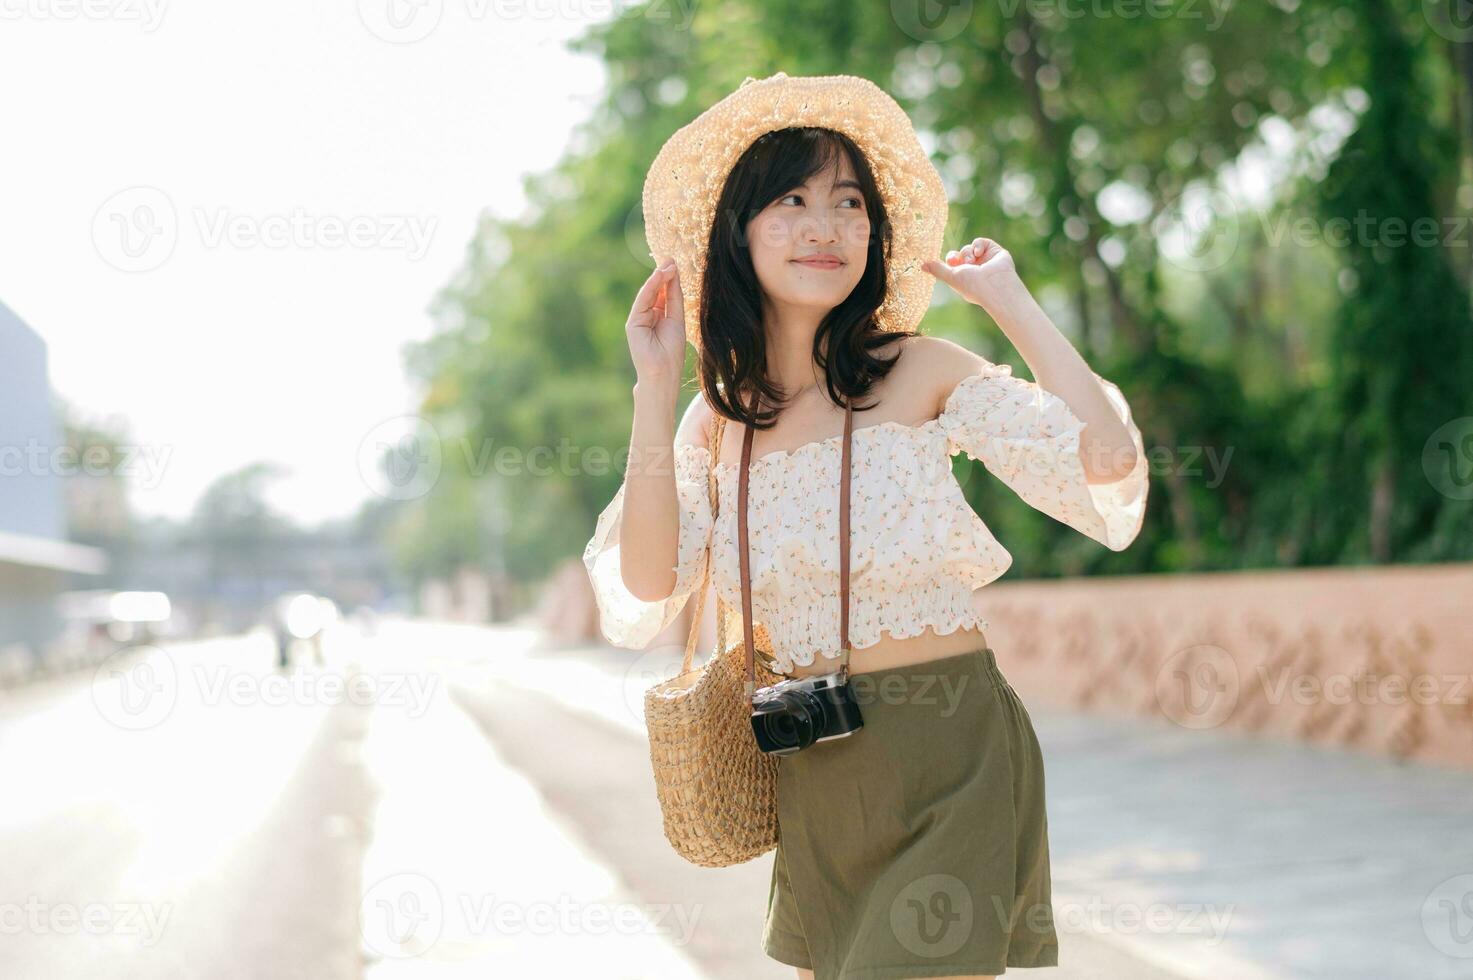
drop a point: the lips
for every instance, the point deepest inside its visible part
(820, 262)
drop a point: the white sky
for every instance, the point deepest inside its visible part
(219, 351)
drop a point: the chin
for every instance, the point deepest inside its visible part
(826, 300)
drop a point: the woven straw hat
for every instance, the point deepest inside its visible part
(686, 179)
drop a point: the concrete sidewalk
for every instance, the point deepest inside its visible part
(470, 873)
(1201, 854)
(1263, 858)
(601, 750)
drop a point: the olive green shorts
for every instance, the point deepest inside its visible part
(916, 846)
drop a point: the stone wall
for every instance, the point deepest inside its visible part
(1373, 659)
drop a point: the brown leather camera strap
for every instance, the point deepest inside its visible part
(745, 555)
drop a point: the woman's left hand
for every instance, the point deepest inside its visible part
(980, 272)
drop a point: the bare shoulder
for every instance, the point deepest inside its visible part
(695, 424)
(942, 364)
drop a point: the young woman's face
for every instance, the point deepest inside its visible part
(809, 247)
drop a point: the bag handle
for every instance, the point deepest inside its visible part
(844, 466)
(718, 427)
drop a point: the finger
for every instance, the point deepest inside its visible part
(649, 296)
(941, 270)
(645, 299)
(674, 298)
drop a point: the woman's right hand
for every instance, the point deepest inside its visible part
(656, 327)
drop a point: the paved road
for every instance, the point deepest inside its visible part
(472, 872)
(442, 802)
(1209, 855)
(189, 812)
(180, 819)
(1269, 858)
(572, 720)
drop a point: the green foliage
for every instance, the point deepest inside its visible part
(1402, 354)
(1285, 411)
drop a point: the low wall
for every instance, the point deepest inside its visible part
(1374, 659)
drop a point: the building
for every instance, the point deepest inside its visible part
(37, 562)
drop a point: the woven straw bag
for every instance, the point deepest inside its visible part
(717, 789)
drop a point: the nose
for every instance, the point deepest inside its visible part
(820, 230)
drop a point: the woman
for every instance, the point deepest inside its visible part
(917, 845)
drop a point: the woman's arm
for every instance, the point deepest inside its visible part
(983, 273)
(1105, 447)
(651, 504)
(649, 551)
(1029, 438)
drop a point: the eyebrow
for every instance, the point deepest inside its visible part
(842, 184)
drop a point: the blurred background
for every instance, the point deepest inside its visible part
(313, 383)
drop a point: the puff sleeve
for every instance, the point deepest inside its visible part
(625, 619)
(1029, 438)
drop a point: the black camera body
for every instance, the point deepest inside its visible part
(793, 714)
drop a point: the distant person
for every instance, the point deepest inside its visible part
(281, 636)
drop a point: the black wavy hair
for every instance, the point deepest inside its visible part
(733, 345)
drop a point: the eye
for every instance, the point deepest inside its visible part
(857, 202)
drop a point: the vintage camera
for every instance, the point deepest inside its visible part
(793, 714)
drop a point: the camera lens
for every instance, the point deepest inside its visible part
(796, 721)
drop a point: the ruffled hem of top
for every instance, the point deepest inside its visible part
(802, 632)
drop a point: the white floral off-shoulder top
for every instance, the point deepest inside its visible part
(919, 552)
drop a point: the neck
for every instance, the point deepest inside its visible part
(790, 363)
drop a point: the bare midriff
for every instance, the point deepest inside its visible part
(891, 652)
